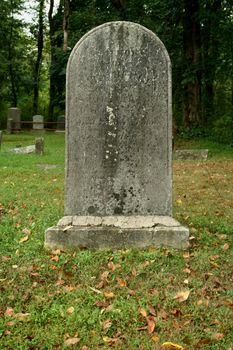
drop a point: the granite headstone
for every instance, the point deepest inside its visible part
(119, 143)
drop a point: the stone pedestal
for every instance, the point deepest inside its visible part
(116, 232)
(118, 189)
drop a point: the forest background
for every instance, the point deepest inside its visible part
(198, 35)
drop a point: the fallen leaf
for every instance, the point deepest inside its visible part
(155, 338)
(182, 296)
(186, 270)
(169, 345)
(121, 283)
(21, 315)
(102, 303)
(110, 340)
(59, 282)
(10, 323)
(186, 255)
(26, 231)
(70, 310)
(108, 294)
(5, 258)
(71, 341)
(179, 201)
(23, 239)
(225, 246)
(150, 325)
(131, 292)
(113, 266)
(55, 258)
(143, 312)
(152, 310)
(9, 312)
(162, 314)
(104, 276)
(143, 328)
(106, 324)
(217, 336)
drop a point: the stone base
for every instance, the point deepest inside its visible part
(116, 232)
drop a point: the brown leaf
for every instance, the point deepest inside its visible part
(102, 303)
(70, 310)
(154, 291)
(106, 324)
(10, 323)
(59, 282)
(71, 341)
(143, 312)
(143, 328)
(104, 275)
(169, 345)
(109, 294)
(131, 292)
(26, 231)
(152, 310)
(9, 312)
(150, 325)
(186, 270)
(21, 315)
(225, 246)
(182, 295)
(186, 255)
(121, 283)
(5, 258)
(217, 336)
(134, 272)
(113, 266)
(162, 314)
(155, 338)
(23, 239)
(55, 258)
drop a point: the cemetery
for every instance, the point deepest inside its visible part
(110, 238)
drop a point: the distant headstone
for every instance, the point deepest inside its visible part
(1, 134)
(15, 114)
(10, 125)
(38, 122)
(23, 150)
(39, 145)
(119, 143)
(61, 121)
(191, 154)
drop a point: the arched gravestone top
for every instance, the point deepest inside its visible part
(118, 100)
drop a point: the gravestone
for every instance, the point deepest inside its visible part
(39, 145)
(61, 122)
(14, 114)
(191, 154)
(119, 143)
(38, 122)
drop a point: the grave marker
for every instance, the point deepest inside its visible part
(119, 143)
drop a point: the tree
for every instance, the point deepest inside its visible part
(40, 44)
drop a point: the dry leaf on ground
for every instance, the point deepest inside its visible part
(23, 239)
(182, 296)
(70, 310)
(169, 345)
(108, 294)
(71, 341)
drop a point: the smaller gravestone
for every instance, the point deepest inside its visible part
(23, 150)
(1, 133)
(9, 125)
(39, 146)
(38, 122)
(61, 123)
(15, 115)
(191, 154)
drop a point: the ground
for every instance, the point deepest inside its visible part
(150, 299)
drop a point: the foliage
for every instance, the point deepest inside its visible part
(223, 129)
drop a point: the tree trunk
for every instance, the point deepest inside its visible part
(66, 23)
(51, 83)
(191, 52)
(14, 97)
(40, 44)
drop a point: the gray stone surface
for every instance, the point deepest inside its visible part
(191, 154)
(38, 122)
(119, 123)
(15, 114)
(39, 145)
(23, 150)
(101, 237)
(119, 143)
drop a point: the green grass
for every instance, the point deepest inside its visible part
(107, 290)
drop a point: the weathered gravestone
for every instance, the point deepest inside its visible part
(38, 122)
(14, 117)
(119, 140)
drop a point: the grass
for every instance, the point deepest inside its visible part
(114, 299)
